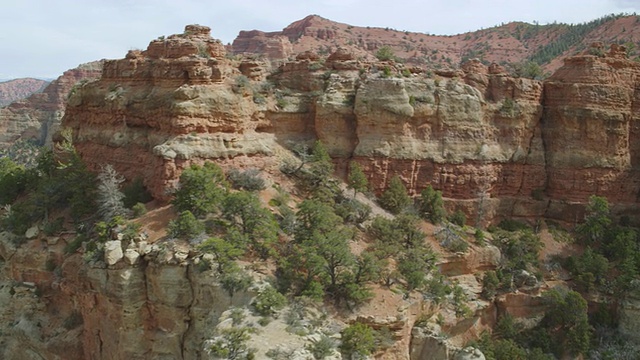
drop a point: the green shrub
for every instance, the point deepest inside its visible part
(231, 343)
(438, 288)
(54, 227)
(249, 180)
(138, 210)
(185, 226)
(321, 348)
(537, 194)
(21, 217)
(282, 103)
(353, 211)
(490, 285)
(316, 65)
(259, 99)
(479, 236)
(203, 51)
(358, 340)
(431, 206)
(357, 179)
(135, 193)
(386, 72)
(508, 106)
(13, 180)
(520, 249)
(513, 225)
(201, 189)
(73, 320)
(385, 53)
(75, 244)
(458, 218)
(269, 301)
(242, 81)
(234, 280)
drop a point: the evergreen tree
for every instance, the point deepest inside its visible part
(255, 223)
(358, 340)
(567, 319)
(185, 226)
(201, 189)
(431, 206)
(597, 221)
(395, 198)
(223, 251)
(357, 179)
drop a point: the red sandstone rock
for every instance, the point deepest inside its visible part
(486, 140)
(308, 55)
(17, 89)
(38, 117)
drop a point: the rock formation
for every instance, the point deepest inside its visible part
(17, 89)
(510, 43)
(496, 146)
(37, 117)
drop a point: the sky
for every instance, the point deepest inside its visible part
(43, 38)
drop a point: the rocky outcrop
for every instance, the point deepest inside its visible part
(591, 130)
(37, 117)
(17, 89)
(163, 307)
(496, 146)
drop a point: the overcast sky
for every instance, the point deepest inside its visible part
(43, 38)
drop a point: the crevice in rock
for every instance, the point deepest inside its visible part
(189, 321)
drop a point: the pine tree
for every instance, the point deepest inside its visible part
(201, 189)
(357, 179)
(395, 198)
(431, 205)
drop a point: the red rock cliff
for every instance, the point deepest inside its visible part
(38, 116)
(495, 145)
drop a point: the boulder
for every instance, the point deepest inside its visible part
(131, 256)
(113, 252)
(469, 353)
(32, 232)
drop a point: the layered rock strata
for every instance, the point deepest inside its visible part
(38, 117)
(496, 146)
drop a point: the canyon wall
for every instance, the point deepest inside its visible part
(38, 117)
(155, 303)
(497, 146)
(16, 89)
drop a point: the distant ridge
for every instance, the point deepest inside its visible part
(510, 43)
(17, 89)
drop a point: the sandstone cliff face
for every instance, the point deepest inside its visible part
(157, 305)
(591, 129)
(489, 141)
(38, 117)
(459, 138)
(156, 110)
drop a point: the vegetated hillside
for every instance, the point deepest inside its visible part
(17, 89)
(515, 42)
(262, 252)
